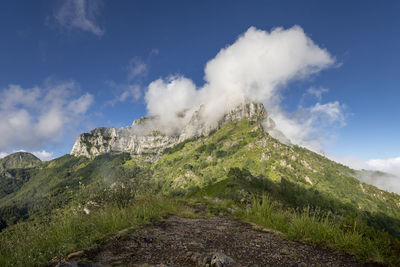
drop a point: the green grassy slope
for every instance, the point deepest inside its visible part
(238, 169)
(293, 174)
(19, 160)
(54, 184)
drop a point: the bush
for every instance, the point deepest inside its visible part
(178, 146)
(208, 149)
(3, 224)
(128, 185)
(221, 153)
(238, 174)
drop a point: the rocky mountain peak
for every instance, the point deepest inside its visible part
(144, 137)
(199, 125)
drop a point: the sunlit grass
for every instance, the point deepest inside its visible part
(325, 229)
(30, 243)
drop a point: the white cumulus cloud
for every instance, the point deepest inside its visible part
(168, 99)
(80, 14)
(257, 66)
(43, 155)
(30, 117)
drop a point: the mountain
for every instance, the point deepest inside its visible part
(245, 138)
(236, 161)
(145, 137)
(19, 160)
(200, 156)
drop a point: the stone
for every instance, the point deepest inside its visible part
(80, 264)
(221, 260)
(75, 255)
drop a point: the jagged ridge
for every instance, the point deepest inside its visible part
(143, 137)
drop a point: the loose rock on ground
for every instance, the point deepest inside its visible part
(215, 241)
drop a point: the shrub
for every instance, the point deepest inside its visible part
(221, 153)
(208, 149)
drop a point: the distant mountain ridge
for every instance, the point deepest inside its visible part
(19, 160)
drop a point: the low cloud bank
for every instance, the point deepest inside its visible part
(382, 173)
(391, 165)
(257, 66)
(389, 181)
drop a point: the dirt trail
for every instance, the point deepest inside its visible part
(178, 241)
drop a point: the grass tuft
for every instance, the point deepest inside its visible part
(325, 229)
(34, 243)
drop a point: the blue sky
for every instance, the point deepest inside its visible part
(75, 65)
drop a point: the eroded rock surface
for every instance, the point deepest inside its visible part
(143, 136)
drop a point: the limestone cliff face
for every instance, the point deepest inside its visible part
(104, 140)
(143, 137)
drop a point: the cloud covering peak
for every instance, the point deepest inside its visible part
(256, 67)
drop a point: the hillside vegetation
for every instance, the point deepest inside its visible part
(19, 160)
(238, 170)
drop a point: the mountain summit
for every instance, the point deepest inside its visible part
(145, 136)
(19, 160)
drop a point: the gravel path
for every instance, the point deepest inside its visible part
(178, 241)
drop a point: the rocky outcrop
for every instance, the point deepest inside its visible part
(199, 126)
(104, 140)
(143, 137)
(221, 260)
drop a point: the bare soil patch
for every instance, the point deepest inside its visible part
(177, 241)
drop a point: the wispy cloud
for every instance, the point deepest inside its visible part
(124, 92)
(80, 14)
(30, 117)
(136, 70)
(317, 92)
